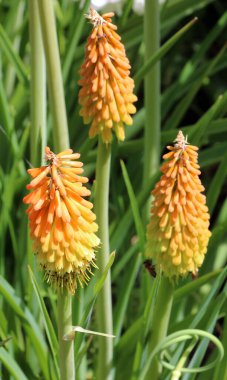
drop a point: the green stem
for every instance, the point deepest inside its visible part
(67, 364)
(104, 301)
(151, 91)
(55, 82)
(159, 323)
(152, 133)
(61, 140)
(38, 86)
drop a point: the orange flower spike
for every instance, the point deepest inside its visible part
(106, 95)
(178, 233)
(61, 221)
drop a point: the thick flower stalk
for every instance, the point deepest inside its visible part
(106, 95)
(61, 221)
(178, 232)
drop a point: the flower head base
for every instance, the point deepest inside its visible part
(178, 232)
(106, 95)
(61, 221)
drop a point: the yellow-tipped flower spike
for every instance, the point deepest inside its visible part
(178, 233)
(61, 221)
(106, 95)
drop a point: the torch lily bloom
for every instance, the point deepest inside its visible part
(178, 233)
(106, 95)
(61, 221)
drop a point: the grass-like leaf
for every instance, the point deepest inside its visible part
(135, 208)
(31, 327)
(19, 66)
(47, 321)
(96, 290)
(11, 365)
(161, 52)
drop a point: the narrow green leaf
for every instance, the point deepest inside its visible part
(8, 293)
(193, 286)
(213, 127)
(135, 207)
(221, 368)
(206, 123)
(127, 8)
(209, 327)
(73, 43)
(13, 236)
(123, 298)
(47, 322)
(31, 327)
(202, 311)
(191, 64)
(215, 288)
(212, 155)
(88, 310)
(6, 117)
(161, 52)
(145, 327)
(122, 229)
(123, 261)
(83, 352)
(178, 90)
(217, 184)
(99, 284)
(127, 343)
(14, 58)
(199, 130)
(175, 10)
(11, 365)
(182, 107)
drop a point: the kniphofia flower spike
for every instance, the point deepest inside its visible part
(178, 233)
(106, 95)
(61, 221)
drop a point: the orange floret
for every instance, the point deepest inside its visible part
(106, 95)
(61, 222)
(178, 233)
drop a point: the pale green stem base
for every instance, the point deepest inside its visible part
(159, 323)
(55, 82)
(38, 87)
(104, 301)
(66, 348)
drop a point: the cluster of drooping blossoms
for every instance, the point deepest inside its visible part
(61, 221)
(178, 232)
(106, 95)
